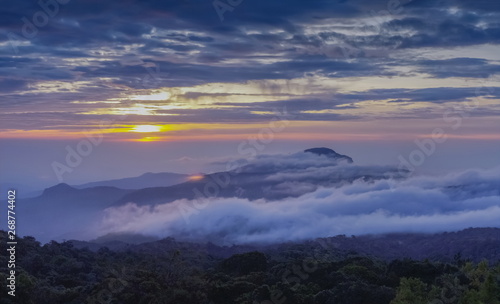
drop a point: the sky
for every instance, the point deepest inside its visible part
(150, 86)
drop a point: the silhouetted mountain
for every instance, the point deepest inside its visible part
(59, 189)
(271, 180)
(63, 195)
(252, 186)
(146, 180)
(62, 211)
(329, 153)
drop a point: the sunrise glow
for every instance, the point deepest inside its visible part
(196, 177)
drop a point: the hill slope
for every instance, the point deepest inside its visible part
(146, 180)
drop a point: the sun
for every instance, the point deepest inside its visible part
(146, 128)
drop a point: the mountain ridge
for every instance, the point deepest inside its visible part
(145, 180)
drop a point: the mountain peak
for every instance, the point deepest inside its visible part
(329, 153)
(57, 189)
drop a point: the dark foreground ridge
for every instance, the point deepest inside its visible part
(473, 244)
(314, 272)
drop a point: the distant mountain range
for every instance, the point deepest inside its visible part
(256, 182)
(65, 211)
(75, 212)
(146, 180)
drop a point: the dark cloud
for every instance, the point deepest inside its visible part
(11, 85)
(257, 40)
(434, 95)
(449, 33)
(459, 67)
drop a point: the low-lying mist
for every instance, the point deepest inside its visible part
(366, 200)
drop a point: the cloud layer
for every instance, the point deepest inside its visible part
(419, 204)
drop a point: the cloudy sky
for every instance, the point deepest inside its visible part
(177, 76)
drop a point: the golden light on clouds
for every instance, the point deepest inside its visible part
(148, 139)
(146, 128)
(159, 96)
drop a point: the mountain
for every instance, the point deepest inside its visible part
(270, 178)
(63, 211)
(59, 189)
(147, 180)
(64, 196)
(329, 153)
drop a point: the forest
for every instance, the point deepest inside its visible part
(168, 271)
